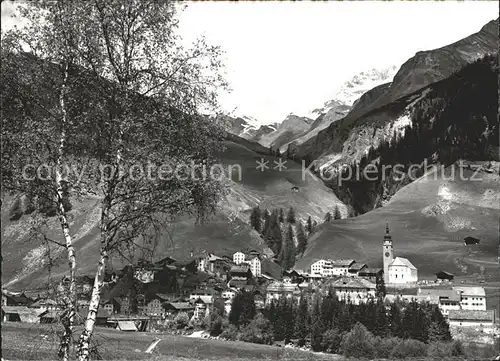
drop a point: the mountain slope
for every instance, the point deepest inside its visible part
(24, 258)
(428, 220)
(350, 93)
(289, 129)
(419, 71)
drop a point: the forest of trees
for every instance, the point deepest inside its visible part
(285, 235)
(327, 324)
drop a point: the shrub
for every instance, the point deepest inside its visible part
(409, 348)
(181, 320)
(259, 330)
(438, 350)
(216, 325)
(331, 340)
(198, 323)
(358, 342)
(384, 346)
(457, 349)
(230, 333)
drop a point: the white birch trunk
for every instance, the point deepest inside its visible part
(66, 340)
(84, 342)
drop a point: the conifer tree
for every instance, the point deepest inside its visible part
(267, 217)
(381, 322)
(288, 251)
(290, 218)
(255, 219)
(317, 327)
(301, 239)
(302, 321)
(281, 217)
(380, 287)
(242, 309)
(309, 226)
(395, 320)
(328, 217)
(439, 329)
(336, 213)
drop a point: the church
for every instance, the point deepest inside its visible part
(398, 271)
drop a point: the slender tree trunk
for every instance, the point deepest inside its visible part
(84, 342)
(69, 320)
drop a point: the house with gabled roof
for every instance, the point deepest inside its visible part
(357, 290)
(472, 318)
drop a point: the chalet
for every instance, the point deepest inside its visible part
(19, 314)
(471, 298)
(173, 308)
(112, 305)
(444, 276)
(328, 268)
(470, 241)
(448, 299)
(229, 294)
(357, 290)
(371, 274)
(201, 308)
(84, 284)
(355, 268)
(153, 305)
(46, 304)
(472, 318)
(277, 290)
(293, 277)
(101, 318)
(207, 295)
(242, 271)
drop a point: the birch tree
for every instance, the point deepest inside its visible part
(151, 91)
(35, 129)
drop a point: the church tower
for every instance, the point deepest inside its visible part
(388, 253)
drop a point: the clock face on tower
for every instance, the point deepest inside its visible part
(387, 254)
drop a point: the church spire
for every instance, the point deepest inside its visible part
(387, 237)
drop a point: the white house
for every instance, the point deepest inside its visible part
(276, 290)
(448, 299)
(228, 294)
(238, 257)
(357, 290)
(328, 268)
(341, 267)
(471, 298)
(255, 266)
(402, 271)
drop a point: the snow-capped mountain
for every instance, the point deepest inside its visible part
(354, 88)
(341, 103)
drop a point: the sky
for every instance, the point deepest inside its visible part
(291, 57)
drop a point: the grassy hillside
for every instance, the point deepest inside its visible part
(428, 220)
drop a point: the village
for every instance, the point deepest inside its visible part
(139, 299)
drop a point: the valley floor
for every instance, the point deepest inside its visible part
(23, 341)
